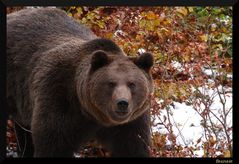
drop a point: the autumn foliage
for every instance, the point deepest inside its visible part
(192, 47)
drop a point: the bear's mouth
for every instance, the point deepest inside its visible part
(120, 116)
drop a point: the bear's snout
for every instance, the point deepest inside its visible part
(122, 107)
(122, 98)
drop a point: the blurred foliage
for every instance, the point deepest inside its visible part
(184, 41)
(192, 36)
(13, 9)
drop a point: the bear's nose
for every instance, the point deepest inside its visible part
(122, 107)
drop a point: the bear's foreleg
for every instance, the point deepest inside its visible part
(129, 140)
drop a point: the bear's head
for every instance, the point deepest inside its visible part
(118, 87)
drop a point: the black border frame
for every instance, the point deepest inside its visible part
(11, 3)
(120, 2)
(3, 113)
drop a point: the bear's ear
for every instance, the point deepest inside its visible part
(145, 61)
(99, 59)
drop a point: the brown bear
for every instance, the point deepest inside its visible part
(67, 86)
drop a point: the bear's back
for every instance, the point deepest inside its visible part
(38, 30)
(46, 22)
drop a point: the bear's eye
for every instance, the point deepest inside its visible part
(131, 85)
(111, 84)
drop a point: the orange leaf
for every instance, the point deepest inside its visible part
(150, 15)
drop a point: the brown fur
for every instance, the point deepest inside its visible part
(64, 84)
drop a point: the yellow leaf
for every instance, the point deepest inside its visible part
(190, 9)
(227, 153)
(224, 29)
(69, 14)
(217, 46)
(186, 57)
(139, 37)
(164, 30)
(203, 37)
(84, 20)
(159, 34)
(101, 24)
(79, 10)
(156, 22)
(182, 10)
(167, 21)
